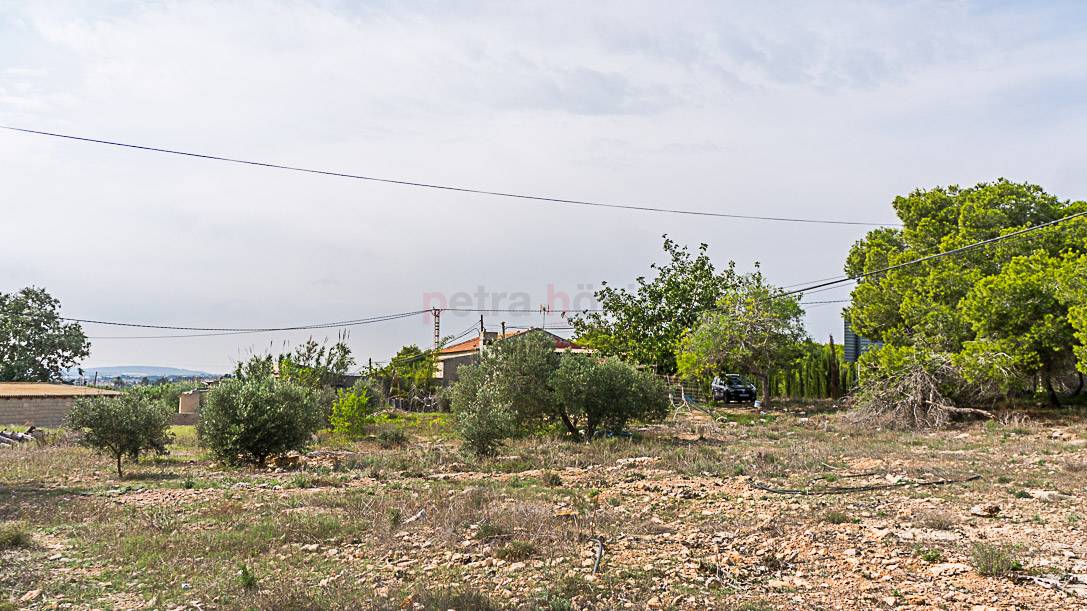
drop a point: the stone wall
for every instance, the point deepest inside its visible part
(39, 411)
(184, 419)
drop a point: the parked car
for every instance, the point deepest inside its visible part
(732, 387)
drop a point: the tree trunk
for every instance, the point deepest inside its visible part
(119, 474)
(569, 425)
(765, 378)
(1054, 401)
(1079, 388)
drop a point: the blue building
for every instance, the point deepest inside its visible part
(855, 345)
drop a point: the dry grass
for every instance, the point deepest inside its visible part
(367, 526)
(13, 536)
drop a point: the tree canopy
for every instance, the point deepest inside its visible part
(1002, 306)
(411, 369)
(36, 345)
(645, 324)
(754, 330)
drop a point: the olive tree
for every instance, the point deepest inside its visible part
(594, 393)
(128, 425)
(248, 420)
(484, 417)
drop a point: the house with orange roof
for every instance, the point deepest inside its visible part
(453, 357)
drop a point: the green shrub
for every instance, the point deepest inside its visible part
(128, 425)
(352, 411)
(483, 418)
(391, 437)
(515, 551)
(518, 370)
(246, 578)
(247, 421)
(994, 560)
(929, 554)
(836, 517)
(594, 393)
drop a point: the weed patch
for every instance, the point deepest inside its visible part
(994, 560)
(13, 536)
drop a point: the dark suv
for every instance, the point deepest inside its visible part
(731, 387)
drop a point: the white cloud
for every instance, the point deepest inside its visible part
(814, 109)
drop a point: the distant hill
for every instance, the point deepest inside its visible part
(141, 371)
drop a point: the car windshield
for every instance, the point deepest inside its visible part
(735, 380)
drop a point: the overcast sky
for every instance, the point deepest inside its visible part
(823, 110)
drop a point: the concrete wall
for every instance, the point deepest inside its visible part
(451, 365)
(184, 419)
(39, 411)
(190, 402)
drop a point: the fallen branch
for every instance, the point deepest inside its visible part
(869, 488)
(970, 410)
(1055, 582)
(418, 516)
(599, 553)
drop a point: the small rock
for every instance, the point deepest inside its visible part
(948, 568)
(985, 511)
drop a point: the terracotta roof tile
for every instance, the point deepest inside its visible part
(472, 345)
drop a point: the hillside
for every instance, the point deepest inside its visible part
(141, 371)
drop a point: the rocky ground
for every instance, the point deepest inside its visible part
(751, 511)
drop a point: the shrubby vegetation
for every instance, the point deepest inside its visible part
(920, 390)
(125, 426)
(313, 365)
(522, 385)
(353, 411)
(591, 393)
(409, 372)
(484, 416)
(248, 419)
(163, 392)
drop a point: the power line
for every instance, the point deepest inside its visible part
(228, 331)
(427, 185)
(824, 286)
(217, 331)
(947, 253)
(549, 310)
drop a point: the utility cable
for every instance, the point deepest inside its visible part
(428, 185)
